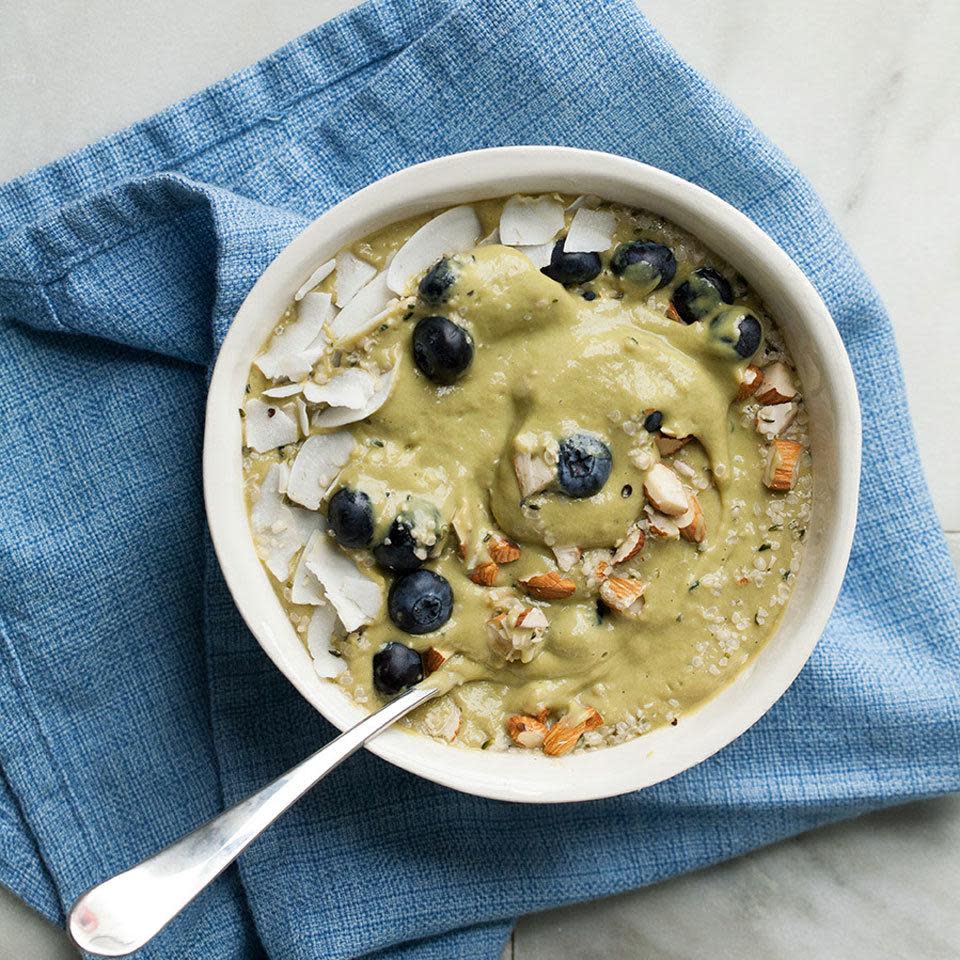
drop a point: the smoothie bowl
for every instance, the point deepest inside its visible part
(556, 432)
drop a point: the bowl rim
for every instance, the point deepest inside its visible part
(469, 177)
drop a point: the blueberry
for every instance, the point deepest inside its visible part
(396, 667)
(442, 350)
(584, 465)
(397, 552)
(737, 329)
(645, 264)
(751, 333)
(350, 518)
(653, 421)
(437, 282)
(700, 294)
(405, 552)
(571, 268)
(420, 602)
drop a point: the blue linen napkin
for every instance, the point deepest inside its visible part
(134, 702)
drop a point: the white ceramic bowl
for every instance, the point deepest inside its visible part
(828, 388)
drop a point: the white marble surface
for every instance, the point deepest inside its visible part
(863, 97)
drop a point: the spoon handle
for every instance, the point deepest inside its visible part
(121, 914)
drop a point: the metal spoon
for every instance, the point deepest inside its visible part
(121, 914)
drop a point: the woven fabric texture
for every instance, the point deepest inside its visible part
(134, 703)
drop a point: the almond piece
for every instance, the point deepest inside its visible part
(777, 386)
(691, 524)
(631, 545)
(774, 419)
(783, 461)
(526, 731)
(462, 527)
(533, 473)
(750, 381)
(662, 527)
(564, 734)
(503, 551)
(532, 618)
(433, 659)
(623, 594)
(665, 490)
(596, 565)
(548, 586)
(484, 574)
(668, 446)
(566, 557)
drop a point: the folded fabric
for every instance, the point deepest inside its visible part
(134, 702)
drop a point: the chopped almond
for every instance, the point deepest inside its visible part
(664, 490)
(596, 565)
(433, 659)
(777, 386)
(691, 525)
(750, 381)
(533, 473)
(484, 574)
(632, 544)
(526, 731)
(783, 461)
(503, 551)
(774, 419)
(661, 526)
(462, 527)
(623, 594)
(518, 630)
(566, 557)
(672, 313)
(532, 618)
(564, 734)
(548, 586)
(668, 446)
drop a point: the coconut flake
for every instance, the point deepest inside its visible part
(318, 276)
(362, 312)
(589, 200)
(319, 460)
(530, 221)
(538, 255)
(303, 418)
(339, 416)
(293, 352)
(353, 388)
(591, 231)
(319, 634)
(453, 231)
(356, 598)
(282, 478)
(268, 426)
(352, 275)
(305, 587)
(285, 390)
(279, 529)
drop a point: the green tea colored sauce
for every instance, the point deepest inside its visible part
(547, 361)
